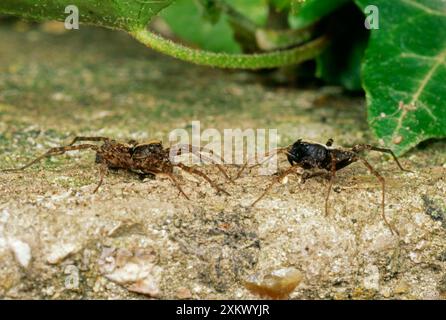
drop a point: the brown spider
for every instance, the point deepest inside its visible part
(310, 155)
(147, 159)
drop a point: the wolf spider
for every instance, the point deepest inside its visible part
(147, 159)
(327, 159)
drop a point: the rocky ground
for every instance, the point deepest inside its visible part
(140, 239)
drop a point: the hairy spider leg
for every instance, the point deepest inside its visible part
(103, 170)
(367, 147)
(197, 152)
(383, 184)
(91, 139)
(276, 180)
(268, 156)
(56, 152)
(171, 177)
(175, 182)
(203, 175)
(332, 179)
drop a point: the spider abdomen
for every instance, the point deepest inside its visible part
(309, 156)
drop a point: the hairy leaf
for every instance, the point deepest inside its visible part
(404, 72)
(121, 14)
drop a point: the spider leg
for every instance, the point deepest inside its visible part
(332, 178)
(171, 177)
(55, 152)
(77, 139)
(156, 173)
(203, 175)
(175, 182)
(268, 156)
(383, 184)
(276, 180)
(103, 170)
(197, 152)
(366, 147)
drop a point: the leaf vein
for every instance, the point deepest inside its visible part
(424, 8)
(441, 59)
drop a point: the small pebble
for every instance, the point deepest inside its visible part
(401, 288)
(22, 251)
(183, 293)
(276, 285)
(59, 252)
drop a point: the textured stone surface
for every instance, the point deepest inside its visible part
(138, 239)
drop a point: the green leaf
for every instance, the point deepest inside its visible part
(404, 72)
(133, 16)
(280, 4)
(189, 23)
(120, 14)
(255, 10)
(212, 11)
(311, 11)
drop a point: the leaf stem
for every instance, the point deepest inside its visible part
(269, 60)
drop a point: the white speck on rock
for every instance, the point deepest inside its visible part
(419, 219)
(49, 291)
(4, 216)
(415, 257)
(3, 243)
(197, 289)
(62, 196)
(371, 280)
(22, 251)
(377, 238)
(59, 252)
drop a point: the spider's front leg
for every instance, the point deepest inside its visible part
(55, 152)
(275, 181)
(90, 139)
(203, 175)
(332, 178)
(383, 184)
(103, 170)
(366, 147)
(188, 148)
(267, 157)
(157, 173)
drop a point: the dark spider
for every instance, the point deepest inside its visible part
(148, 159)
(310, 155)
